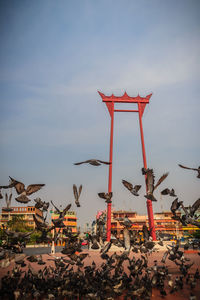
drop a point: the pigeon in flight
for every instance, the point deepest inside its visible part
(10, 185)
(93, 162)
(168, 192)
(175, 206)
(8, 202)
(194, 207)
(63, 212)
(41, 204)
(150, 178)
(134, 190)
(198, 169)
(77, 194)
(106, 196)
(124, 221)
(24, 192)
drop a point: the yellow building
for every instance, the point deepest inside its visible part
(26, 212)
(70, 219)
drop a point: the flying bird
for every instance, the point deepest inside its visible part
(23, 199)
(125, 221)
(17, 235)
(106, 196)
(40, 223)
(93, 162)
(150, 179)
(41, 204)
(175, 206)
(134, 190)
(45, 206)
(106, 248)
(24, 192)
(169, 192)
(195, 169)
(58, 222)
(194, 207)
(77, 194)
(10, 185)
(63, 212)
(8, 202)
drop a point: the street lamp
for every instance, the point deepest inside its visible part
(53, 235)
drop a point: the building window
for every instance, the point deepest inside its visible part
(71, 220)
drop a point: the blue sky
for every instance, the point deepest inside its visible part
(55, 55)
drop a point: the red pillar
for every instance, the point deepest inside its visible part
(149, 202)
(110, 170)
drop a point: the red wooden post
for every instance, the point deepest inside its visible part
(110, 171)
(149, 202)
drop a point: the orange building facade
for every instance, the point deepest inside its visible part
(163, 222)
(70, 220)
(26, 212)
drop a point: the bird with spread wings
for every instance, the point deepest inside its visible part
(195, 169)
(106, 196)
(93, 162)
(133, 189)
(168, 192)
(150, 180)
(63, 212)
(24, 192)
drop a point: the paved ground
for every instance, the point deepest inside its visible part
(40, 250)
(95, 256)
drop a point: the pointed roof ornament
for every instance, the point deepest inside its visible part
(125, 98)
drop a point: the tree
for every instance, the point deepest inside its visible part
(17, 223)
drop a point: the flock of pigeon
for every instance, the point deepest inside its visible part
(120, 274)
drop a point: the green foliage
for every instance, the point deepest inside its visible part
(196, 234)
(34, 236)
(2, 236)
(17, 223)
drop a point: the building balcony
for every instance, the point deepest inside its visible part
(70, 223)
